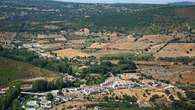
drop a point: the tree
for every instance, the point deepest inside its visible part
(39, 85)
(154, 97)
(69, 70)
(7, 99)
(1, 48)
(129, 64)
(50, 97)
(171, 97)
(60, 83)
(167, 92)
(1, 103)
(60, 92)
(180, 96)
(106, 98)
(130, 98)
(16, 105)
(190, 95)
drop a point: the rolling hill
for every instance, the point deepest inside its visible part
(125, 18)
(11, 70)
(184, 3)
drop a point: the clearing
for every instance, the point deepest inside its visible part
(177, 50)
(69, 53)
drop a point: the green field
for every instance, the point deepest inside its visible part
(11, 70)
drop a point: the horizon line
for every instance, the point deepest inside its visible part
(71, 1)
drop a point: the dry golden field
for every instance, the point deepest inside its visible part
(69, 53)
(129, 43)
(182, 74)
(177, 50)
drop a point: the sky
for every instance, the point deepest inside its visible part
(127, 1)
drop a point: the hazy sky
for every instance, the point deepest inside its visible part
(126, 1)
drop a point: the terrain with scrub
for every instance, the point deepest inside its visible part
(12, 70)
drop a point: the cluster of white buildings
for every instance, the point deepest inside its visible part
(40, 101)
(40, 104)
(112, 83)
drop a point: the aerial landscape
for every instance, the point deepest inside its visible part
(97, 55)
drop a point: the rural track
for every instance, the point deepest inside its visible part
(167, 43)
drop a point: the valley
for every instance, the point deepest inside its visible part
(80, 56)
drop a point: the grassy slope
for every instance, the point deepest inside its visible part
(11, 70)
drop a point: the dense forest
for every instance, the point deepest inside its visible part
(33, 15)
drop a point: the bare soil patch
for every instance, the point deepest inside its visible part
(69, 53)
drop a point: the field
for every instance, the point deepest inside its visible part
(142, 53)
(72, 104)
(12, 70)
(155, 38)
(142, 94)
(7, 35)
(177, 50)
(69, 53)
(174, 73)
(139, 93)
(102, 53)
(154, 44)
(98, 45)
(180, 74)
(186, 12)
(130, 43)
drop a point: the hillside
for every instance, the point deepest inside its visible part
(185, 3)
(34, 16)
(14, 70)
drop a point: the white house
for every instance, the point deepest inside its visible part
(32, 105)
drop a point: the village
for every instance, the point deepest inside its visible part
(126, 81)
(57, 46)
(57, 55)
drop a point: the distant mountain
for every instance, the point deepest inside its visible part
(184, 3)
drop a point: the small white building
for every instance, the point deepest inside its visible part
(31, 105)
(46, 104)
(60, 39)
(142, 103)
